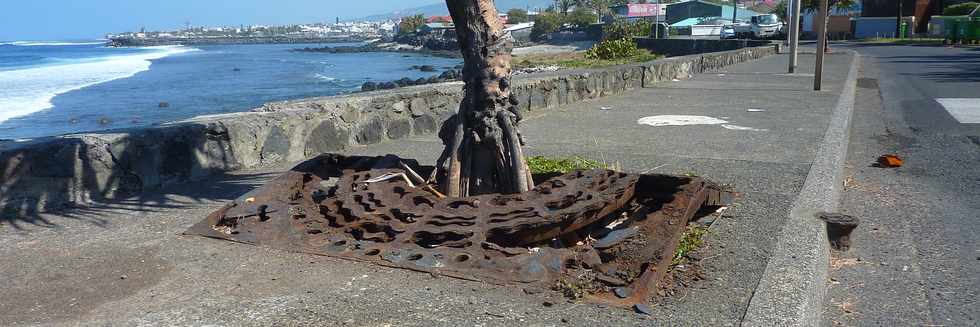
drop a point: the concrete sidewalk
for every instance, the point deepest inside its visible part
(125, 264)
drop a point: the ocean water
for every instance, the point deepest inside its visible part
(55, 88)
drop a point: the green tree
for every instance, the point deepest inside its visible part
(780, 10)
(814, 5)
(517, 16)
(544, 23)
(410, 24)
(581, 17)
(624, 29)
(563, 6)
(601, 7)
(961, 9)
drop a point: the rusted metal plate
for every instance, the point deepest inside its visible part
(608, 234)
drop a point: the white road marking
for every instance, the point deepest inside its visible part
(679, 120)
(685, 120)
(964, 110)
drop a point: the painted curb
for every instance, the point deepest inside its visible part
(794, 284)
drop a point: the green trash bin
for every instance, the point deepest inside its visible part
(970, 30)
(956, 27)
(952, 31)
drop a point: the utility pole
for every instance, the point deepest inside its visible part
(821, 45)
(794, 34)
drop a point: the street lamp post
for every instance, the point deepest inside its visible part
(794, 35)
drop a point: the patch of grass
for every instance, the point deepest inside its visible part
(571, 289)
(578, 60)
(544, 165)
(691, 240)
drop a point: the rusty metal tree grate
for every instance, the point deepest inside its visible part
(609, 234)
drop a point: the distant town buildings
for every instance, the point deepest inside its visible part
(350, 30)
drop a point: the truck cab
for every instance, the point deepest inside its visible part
(766, 26)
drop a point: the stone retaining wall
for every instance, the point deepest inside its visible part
(683, 47)
(58, 172)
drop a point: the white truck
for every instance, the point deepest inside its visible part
(766, 26)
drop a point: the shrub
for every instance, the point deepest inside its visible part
(613, 49)
(960, 9)
(517, 16)
(409, 25)
(626, 29)
(581, 17)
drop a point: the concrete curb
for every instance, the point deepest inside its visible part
(793, 286)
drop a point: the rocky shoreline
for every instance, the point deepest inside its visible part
(160, 41)
(383, 47)
(446, 76)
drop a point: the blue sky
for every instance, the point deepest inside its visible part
(88, 19)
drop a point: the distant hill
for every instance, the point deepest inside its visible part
(439, 9)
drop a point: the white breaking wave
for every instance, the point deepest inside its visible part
(325, 77)
(30, 90)
(48, 43)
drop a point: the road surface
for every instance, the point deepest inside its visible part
(916, 259)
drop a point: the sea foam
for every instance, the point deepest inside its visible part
(27, 91)
(48, 43)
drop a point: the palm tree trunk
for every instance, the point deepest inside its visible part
(483, 144)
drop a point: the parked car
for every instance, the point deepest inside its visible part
(727, 32)
(766, 26)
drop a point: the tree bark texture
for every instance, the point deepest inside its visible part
(482, 152)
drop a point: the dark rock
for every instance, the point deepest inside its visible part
(236, 70)
(327, 137)
(369, 86)
(425, 124)
(276, 146)
(164, 104)
(388, 86)
(450, 75)
(405, 81)
(370, 132)
(104, 121)
(643, 308)
(178, 158)
(427, 68)
(399, 128)
(623, 292)
(433, 80)
(421, 81)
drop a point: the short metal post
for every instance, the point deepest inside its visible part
(821, 46)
